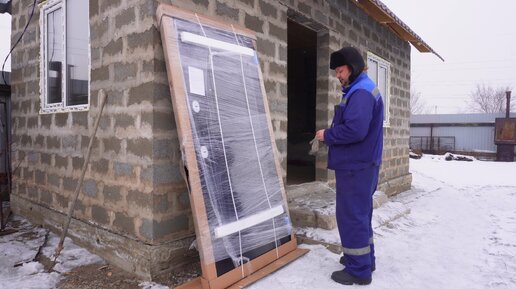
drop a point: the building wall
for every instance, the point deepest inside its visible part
(134, 199)
(133, 186)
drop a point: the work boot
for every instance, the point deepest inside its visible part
(345, 278)
(343, 262)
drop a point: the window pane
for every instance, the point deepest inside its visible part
(382, 86)
(77, 51)
(382, 81)
(372, 70)
(55, 55)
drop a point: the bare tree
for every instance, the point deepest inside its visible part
(488, 99)
(417, 103)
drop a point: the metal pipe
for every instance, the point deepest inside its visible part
(508, 104)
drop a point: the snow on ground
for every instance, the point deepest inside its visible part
(18, 250)
(460, 233)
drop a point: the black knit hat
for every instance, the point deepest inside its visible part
(351, 57)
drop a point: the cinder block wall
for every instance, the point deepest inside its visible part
(133, 187)
(342, 23)
(134, 208)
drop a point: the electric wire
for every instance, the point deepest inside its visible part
(18, 41)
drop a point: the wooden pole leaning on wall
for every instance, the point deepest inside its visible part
(71, 206)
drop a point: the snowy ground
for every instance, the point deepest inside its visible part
(460, 233)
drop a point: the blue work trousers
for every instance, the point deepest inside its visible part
(354, 210)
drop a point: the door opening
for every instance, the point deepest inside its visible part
(302, 74)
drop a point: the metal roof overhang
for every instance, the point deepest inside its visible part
(383, 15)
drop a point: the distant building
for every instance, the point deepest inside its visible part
(471, 134)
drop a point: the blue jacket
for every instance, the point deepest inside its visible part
(355, 138)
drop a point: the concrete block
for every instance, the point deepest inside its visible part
(89, 187)
(304, 8)
(106, 5)
(140, 93)
(45, 197)
(26, 140)
(80, 119)
(250, 3)
(94, 8)
(123, 120)
(254, 23)
(112, 194)
(77, 163)
(112, 144)
(60, 119)
(266, 46)
(100, 74)
(99, 215)
(223, 9)
(139, 199)
(278, 32)
(268, 9)
(114, 47)
(40, 177)
(99, 29)
(164, 149)
(125, 71)
(147, 9)
(61, 201)
(140, 147)
(32, 122)
(143, 39)
(70, 142)
(124, 223)
(123, 169)
(46, 159)
(54, 180)
(155, 230)
(126, 17)
(204, 3)
(163, 121)
(100, 166)
(183, 199)
(154, 66)
(69, 184)
(161, 174)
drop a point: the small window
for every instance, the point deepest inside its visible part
(65, 61)
(379, 70)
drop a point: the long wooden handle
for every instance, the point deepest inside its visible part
(71, 206)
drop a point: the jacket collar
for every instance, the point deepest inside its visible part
(345, 89)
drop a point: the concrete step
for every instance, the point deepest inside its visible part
(313, 205)
(330, 239)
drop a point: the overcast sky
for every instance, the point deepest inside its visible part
(475, 37)
(5, 32)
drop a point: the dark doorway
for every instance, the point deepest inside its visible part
(302, 73)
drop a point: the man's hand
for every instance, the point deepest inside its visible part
(319, 135)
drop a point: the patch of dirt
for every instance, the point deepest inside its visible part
(100, 276)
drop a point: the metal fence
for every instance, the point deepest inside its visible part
(436, 144)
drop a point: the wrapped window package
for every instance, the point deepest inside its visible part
(236, 190)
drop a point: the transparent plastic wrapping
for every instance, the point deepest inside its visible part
(228, 131)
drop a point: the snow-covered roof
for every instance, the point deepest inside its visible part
(457, 118)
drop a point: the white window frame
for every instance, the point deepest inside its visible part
(386, 98)
(45, 107)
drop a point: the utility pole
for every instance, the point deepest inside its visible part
(508, 104)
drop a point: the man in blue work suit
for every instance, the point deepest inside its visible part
(355, 143)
